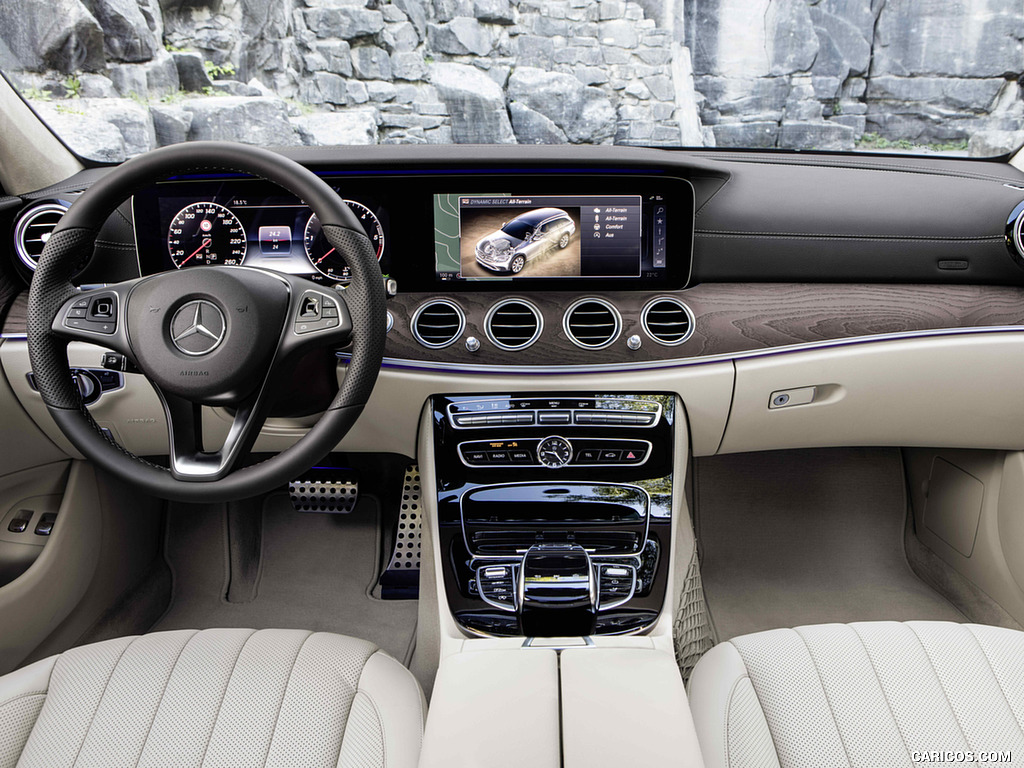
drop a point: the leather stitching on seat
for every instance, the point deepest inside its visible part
(831, 710)
(775, 744)
(942, 688)
(163, 693)
(991, 668)
(284, 696)
(99, 701)
(227, 685)
(725, 716)
(881, 687)
(380, 723)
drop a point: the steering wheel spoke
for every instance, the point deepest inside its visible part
(188, 459)
(97, 316)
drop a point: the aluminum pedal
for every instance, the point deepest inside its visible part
(401, 578)
(325, 494)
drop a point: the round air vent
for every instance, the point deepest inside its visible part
(33, 230)
(668, 321)
(513, 324)
(438, 323)
(592, 323)
(1015, 234)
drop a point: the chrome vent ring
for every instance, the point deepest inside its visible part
(34, 228)
(513, 324)
(592, 323)
(438, 323)
(667, 320)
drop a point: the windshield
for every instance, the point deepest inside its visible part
(518, 229)
(114, 78)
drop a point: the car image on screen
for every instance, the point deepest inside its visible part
(525, 238)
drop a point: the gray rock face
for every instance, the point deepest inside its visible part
(171, 124)
(371, 63)
(87, 136)
(932, 37)
(127, 35)
(52, 34)
(131, 118)
(532, 127)
(346, 22)
(816, 135)
(151, 79)
(493, 11)
(192, 74)
(250, 120)
(97, 86)
(356, 126)
(476, 104)
(583, 113)
(460, 36)
(995, 143)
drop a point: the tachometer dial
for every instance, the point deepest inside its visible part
(322, 254)
(206, 233)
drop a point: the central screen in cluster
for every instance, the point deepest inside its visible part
(486, 237)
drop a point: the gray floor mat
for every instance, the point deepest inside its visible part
(316, 573)
(807, 537)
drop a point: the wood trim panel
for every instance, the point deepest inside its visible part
(731, 317)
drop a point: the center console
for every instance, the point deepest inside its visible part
(554, 511)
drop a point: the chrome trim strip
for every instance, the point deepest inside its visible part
(684, 362)
(637, 553)
(679, 303)
(505, 302)
(656, 411)
(600, 606)
(573, 444)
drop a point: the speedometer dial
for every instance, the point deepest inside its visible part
(322, 254)
(206, 233)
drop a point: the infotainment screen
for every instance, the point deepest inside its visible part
(508, 236)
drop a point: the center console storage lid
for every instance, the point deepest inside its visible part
(625, 706)
(496, 708)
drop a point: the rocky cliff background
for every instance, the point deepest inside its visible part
(118, 77)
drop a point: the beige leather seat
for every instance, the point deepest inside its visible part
(861, 695)
(216, 697)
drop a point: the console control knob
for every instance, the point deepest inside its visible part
(554, 452)
(634, 342)
(472, 344)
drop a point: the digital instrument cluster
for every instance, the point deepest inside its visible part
(434, 230)
(247, 223)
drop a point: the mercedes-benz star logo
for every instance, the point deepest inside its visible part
(197, 328)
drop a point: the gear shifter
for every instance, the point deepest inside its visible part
(556, 591)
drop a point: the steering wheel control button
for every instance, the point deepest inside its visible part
(97, 314)
(316, 312)
(198, 328)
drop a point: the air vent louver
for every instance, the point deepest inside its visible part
(438, 323)
(592, 323)
(513, 324)
(668, 321)
(33, 230)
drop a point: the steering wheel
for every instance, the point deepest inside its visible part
(222, 336)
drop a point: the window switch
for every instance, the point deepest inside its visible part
(45, 525)
(19, 524)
